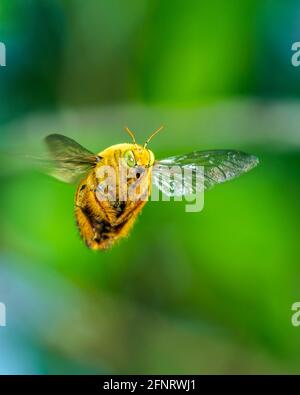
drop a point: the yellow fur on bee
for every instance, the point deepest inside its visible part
(100, 222)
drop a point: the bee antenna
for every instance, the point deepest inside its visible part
(152, 135)
(126, 128)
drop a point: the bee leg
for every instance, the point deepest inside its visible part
(118, 232)
(132, 209)
(127, 225)
(107, 234)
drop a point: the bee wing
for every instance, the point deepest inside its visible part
(216, 167)
(68, 159)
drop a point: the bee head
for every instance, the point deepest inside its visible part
(140, 155)
(136, 155)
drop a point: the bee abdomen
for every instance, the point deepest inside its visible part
(98, 234)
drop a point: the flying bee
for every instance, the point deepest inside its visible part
(115, 184)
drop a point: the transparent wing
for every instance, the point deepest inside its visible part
(68, 159)
(203, 170)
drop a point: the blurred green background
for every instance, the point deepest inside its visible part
(209, 292)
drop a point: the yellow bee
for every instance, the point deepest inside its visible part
(116, 183)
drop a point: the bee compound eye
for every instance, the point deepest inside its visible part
(129, 158)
